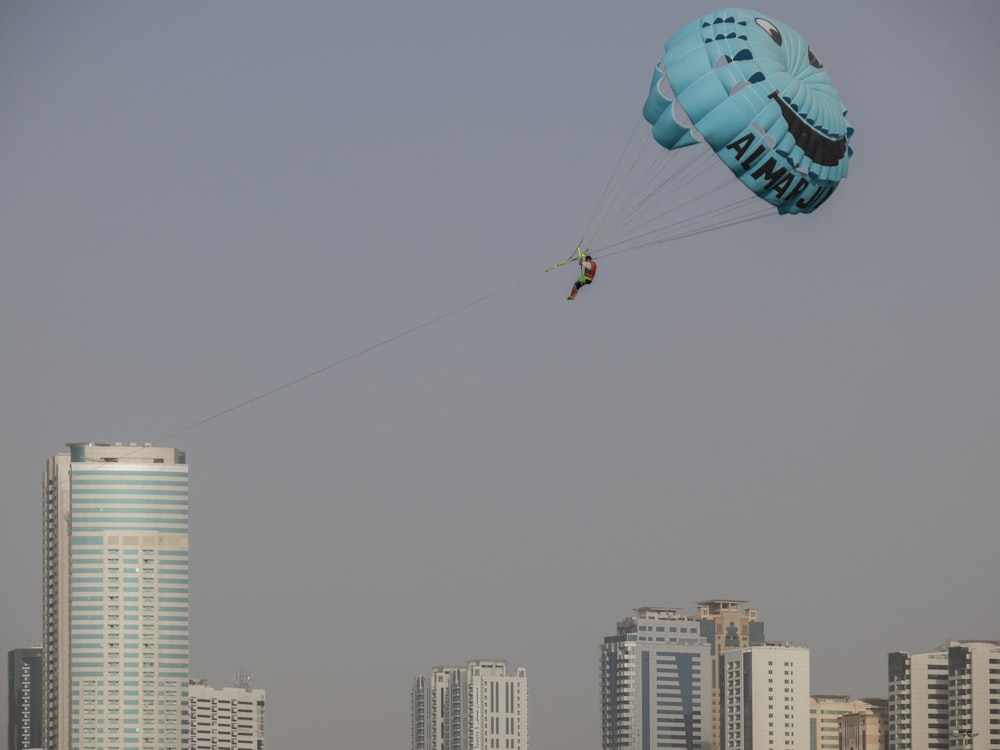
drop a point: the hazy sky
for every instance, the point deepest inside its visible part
(202, 201)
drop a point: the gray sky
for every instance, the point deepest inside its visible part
(203, 201)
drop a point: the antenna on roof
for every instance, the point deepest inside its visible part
(243, 679)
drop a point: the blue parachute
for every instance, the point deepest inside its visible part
(752, 93)
(751, 88)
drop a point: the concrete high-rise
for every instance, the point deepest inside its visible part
(116, 618)
(481, 706)
(655, 677)
(229, 718)
(418, 714)
(765, 692)
(429, 710)
(947, 698)
(726, 627)
(918, 701)
(24, 698)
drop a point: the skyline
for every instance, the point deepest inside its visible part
(202, 203)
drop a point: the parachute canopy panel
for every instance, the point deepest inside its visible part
(751, 88)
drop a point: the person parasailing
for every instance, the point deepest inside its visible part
(588, 269)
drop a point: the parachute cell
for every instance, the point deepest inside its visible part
(750, 87)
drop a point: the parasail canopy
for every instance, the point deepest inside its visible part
(751, 88)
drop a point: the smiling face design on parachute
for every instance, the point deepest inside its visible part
(809, 133)
(750, 87)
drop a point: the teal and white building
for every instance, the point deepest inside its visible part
(116, 614)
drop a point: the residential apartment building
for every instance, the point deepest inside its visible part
(765, 693)
(430, 709)
(867, 729)
(655, 678)
(824, 719)
(115, 631)
(918, 701)
(228, 718)
(481, 706)
(726, 625)
(24, 698)
(418, 714)
(949, 698)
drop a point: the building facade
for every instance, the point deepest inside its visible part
(430, 712)
(229, 718)
(918, 701)
(24, 698)
(726, 625)
(481, 706)
(655, 678)
(418, 714)
(116, 619)
(765, 693)
(824, 719)
(949, 698)
(867, 729)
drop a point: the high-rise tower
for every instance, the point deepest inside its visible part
(231, 718)
(765, 691)
(115, 646)
(655, 678)
(481, 706)
(430, 709)
(945, 699)
(24, 698)
(726, 627)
